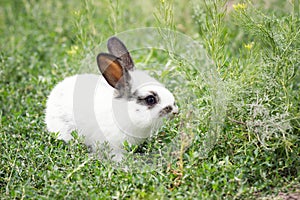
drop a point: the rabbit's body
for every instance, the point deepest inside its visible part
(123, 105)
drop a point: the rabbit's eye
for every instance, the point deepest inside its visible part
(150, 100)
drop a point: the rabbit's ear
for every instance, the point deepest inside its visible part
(118, 49)
(113, 72)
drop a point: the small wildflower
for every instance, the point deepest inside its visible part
(239, 6)
(76, 12)
(73, 50)
(249, 45)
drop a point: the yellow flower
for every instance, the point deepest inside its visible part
(76, 12)
(73, 50)
(249, 45)
(239, 6)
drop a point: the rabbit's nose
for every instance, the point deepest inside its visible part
(171, 109)
(175, 110)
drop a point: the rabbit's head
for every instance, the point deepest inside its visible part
(140, 102)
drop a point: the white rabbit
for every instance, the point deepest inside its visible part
(125, 105)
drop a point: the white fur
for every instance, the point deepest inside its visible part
(86, 103)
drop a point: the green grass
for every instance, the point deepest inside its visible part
(255, 47)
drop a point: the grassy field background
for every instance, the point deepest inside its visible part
(255, 46)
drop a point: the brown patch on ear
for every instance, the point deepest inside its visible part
(110, 68)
